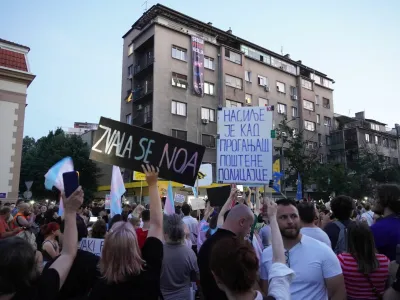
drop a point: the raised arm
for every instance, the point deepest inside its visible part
(278, 251)
(226, 207)
(156, 214)
(63, 264)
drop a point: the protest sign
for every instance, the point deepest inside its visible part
(139, 176)
(205, 175)
(179, 198)
(244, 152)
(130, 147)
(94, 246)
(107, 201)
(197, 203)
(218, 196)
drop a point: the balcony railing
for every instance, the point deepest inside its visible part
(143, 118)
(143, 63)
(142, 90)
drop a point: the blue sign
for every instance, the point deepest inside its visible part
(3, 195)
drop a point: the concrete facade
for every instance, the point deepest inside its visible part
(161, 29)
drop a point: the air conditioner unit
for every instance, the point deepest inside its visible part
(294, 97)
(266, 88)
(139, 107)
(130, 77)
(205, 121)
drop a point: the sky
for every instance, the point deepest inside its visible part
(76, 50)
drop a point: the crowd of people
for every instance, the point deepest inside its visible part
(281, 249)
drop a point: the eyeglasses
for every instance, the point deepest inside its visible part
(287, 258)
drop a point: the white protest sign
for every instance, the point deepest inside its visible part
(244, 151)
(179, 198)
(94, 246)
(197, 203)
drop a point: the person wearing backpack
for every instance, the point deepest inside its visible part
(342, 208)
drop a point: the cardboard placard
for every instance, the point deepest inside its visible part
(94, 246)
(244, 152)
(197, 203)
(130, 147)
(179, 198)
(218, 196)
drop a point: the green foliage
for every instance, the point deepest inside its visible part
(39, 156)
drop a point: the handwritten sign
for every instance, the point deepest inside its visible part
(179, 198)
(139, 176)
(129, 147)
(244, 153)
(197, 203)
(94, 246)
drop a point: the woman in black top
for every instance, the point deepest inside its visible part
(19, 267)
(127, 272)
(50, 247)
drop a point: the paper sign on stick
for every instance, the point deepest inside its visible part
(197, 203)
(94, 246)
(179, 198)
(130, 147)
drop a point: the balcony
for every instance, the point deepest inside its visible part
(143, 64)
(143, 90)
(144, 118)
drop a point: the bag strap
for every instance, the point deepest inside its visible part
(377, 294)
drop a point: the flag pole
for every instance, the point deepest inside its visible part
(141, 189)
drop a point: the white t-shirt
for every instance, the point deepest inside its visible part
(312, 262)
(369, 217)
(280, 278)
(192, 224)
(318, 234)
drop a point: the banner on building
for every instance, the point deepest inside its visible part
(244, 151)
(198, 65)
(130, 147)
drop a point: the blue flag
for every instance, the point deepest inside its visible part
(276, 176)
(299, 194)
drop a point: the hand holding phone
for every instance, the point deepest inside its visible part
(71, 182)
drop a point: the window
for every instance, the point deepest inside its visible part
(208, 63)
(130, 70)
(326, 103)
(208, 114)
(233, 56)
(230, 103)
(208, 140)
(327, 121)
(316, 99)
(129, 119)
(262, 102)
(178, 108)
(294, 112)
(208, 88)
(179, 134)
(233, 81)
(316, 78)
(375, 127)
(257, 55)
(318, 119)
(281, 109)
(308, 105)
(310, 126)
(377, 140)
(306, 84)
(262, 80)
(280, 87)
(179, 53)
(247, 76)
(248, 98)
(367, 138)
(293, 91)
(179, 80)
(385, 142)
(393, 144)
(328, 140)
(130, 49)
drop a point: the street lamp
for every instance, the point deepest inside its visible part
(31, 202)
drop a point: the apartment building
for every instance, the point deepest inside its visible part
(350, 134)
(177, 71)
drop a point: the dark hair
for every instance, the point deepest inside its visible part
(99, 229)
(124, 216)
(174, 228)
(235, 263)
(212, 225)
(307, 212)
(260, 218)
(186, 209)
(17, 265)
(146, 215)
(286, 202)
(80, 226)
(367, 206)
(226, 214)
(342, 207)
(5, 210)
(47, 229)
(389, 196)
(115, 219)
(361, 245)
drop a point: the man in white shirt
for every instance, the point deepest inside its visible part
(308, 215)
(368, 216)
(318, 272)
(192, 224)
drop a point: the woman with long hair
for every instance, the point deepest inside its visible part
(179, 262)
(50, 247)
(127, 272)
(365, 271)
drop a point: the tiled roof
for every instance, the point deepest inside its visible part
(14, 44)
(13, 60)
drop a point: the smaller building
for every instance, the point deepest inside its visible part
(350, 134)
(81, 128)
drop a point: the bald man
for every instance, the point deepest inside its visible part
(24, 217)
(238, 223)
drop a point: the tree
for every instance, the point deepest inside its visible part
(39, 156)
(300, 152)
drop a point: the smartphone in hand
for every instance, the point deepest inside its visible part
(71, 182)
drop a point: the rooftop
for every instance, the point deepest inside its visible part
(14, 44)
(13, 60)
(224, 37)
